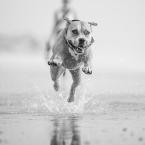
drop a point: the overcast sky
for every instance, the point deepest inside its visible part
(120, 34)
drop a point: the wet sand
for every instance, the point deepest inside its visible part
(24, 129)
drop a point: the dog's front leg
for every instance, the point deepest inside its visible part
(55, 60)
(56, 72)
(76, 81)
(87, 65)
(87, 69)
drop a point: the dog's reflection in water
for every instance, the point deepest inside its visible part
(65, 132)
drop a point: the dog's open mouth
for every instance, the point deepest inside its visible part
(79, 50)
(76, 49)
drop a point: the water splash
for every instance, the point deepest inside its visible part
(58, 104)
(51, 103)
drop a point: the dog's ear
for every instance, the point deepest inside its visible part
(93, 23)
(67, 20)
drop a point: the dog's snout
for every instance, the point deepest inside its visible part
(81, 41)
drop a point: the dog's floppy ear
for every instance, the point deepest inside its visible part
(93, 23)
(67, 20)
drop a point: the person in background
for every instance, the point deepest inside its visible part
(59, 22)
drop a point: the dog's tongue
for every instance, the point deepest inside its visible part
(81, 45)
(79, 50)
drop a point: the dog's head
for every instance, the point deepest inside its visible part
(79, 35)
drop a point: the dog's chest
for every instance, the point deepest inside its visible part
(72, 62)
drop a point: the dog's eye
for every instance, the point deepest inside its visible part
(75, 32)
(86, 32)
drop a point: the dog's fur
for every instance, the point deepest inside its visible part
(71, 51)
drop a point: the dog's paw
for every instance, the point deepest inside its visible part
(55, 62)
(87, 70)
(52, 63)
(70, 99)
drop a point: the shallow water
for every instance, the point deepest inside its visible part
(109, 108)
(29, 129)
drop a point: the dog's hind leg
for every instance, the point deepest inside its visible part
(76, 81)
(56, 72)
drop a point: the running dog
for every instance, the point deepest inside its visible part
(72, 51)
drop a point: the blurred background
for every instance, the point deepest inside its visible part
(25, 26)
(110, 106)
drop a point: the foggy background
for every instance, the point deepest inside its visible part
(25, 25)
(109, 106)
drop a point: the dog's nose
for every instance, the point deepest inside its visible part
(81, 41)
